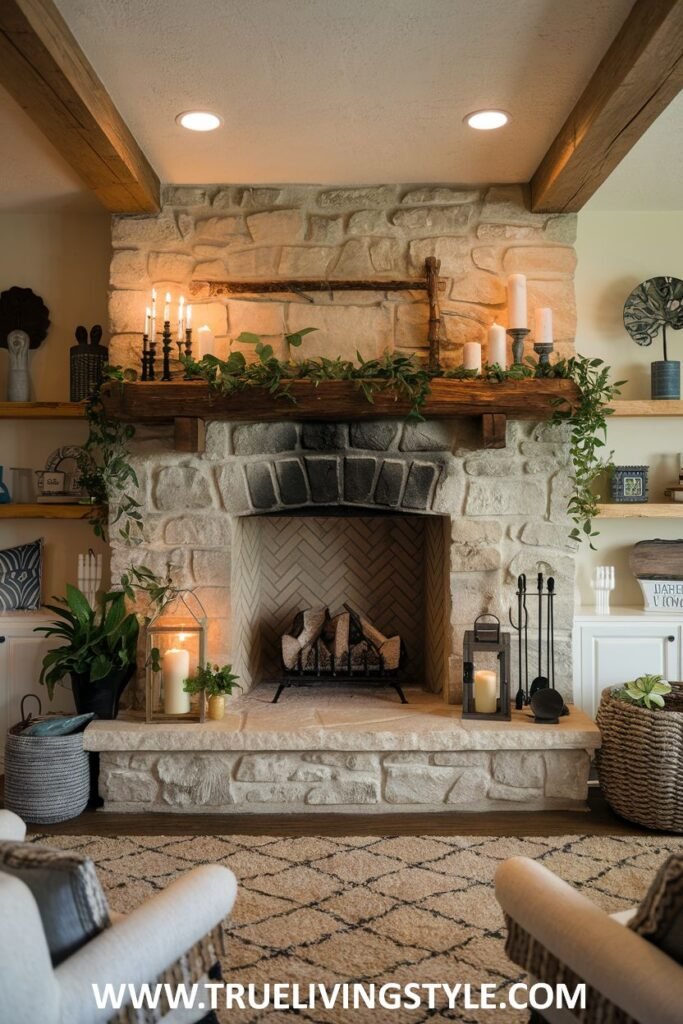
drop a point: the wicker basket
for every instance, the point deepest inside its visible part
(640, 763)
(47, 778)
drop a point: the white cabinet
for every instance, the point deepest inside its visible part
(611, 649)
(21, 658)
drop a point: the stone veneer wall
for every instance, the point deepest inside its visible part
(507, 508)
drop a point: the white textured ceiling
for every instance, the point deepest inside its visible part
(344, 91)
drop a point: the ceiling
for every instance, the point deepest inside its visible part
(339, 91)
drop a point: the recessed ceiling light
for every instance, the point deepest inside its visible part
(199, 120)
(485, 120)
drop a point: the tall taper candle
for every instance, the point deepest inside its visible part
(544, 326)
(181, 325)
(153, 330)
(497, 347)
(471, 356)
(167, 308)
(517, 313)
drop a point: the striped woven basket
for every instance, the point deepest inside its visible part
(640, 763)
(47, 778)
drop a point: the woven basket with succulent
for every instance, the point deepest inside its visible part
(640, 762)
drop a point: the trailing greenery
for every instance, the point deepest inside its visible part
(646, 692)
(214, 680)
(92, 642)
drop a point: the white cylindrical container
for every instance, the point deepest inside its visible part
(175, 667)
(497, 346)
(517, 312)
(544, 326)
(471, 356)
(485, 692)
(204, 342)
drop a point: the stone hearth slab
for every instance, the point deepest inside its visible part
(344, 719)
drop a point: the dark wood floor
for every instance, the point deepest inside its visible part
(598, 820)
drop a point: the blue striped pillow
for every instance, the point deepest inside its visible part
(20, 577)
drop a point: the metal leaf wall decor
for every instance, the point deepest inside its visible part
(655, 304)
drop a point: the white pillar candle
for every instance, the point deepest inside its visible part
(204, 341)
(485, 692)
(497, 349)
(517, 315)
(471, 356)
(181, 303)
(175, 667)
(544, 326)
(167, 308)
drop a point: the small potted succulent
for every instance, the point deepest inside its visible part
(641, 726)
(217, 682)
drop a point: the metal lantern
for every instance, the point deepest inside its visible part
(178, 634)
(486, 690)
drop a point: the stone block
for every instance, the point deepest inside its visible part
(389, 483)
(373, 195)
(412, 324)
(185, 195)
(274, 793)
(145, 230)
(517, 768)
(325, 230)
(276, 226)
(509, 232)
(124, 349)
(560, 296)
(462, 758)
(306, 261)
(540, 261)
(487, 257)
(464, 322)
(263, 438)
(211, 566)
(470, 787)
(509, 205)
(567, 774)
(291, 481)
(387, 256)
(492, 463)
(377, 435)
(479, 286)
(467, 558)
(255, 198)
(181, 487)
(452, 252)
(127, 785)
(342, 330)
(416, 784)
(128, 268)
(126, 311)
(420, 485)
(368, 222)
(359, 475)
(195, 779)
(505, 498)
(354, 260)
(515, 794)
(185, 222)
(561, 490)
(321, 437)
(353, 792)
(210, 531)
(562, 228)
(210, 270)
(429, 436)
(217, 441)
(262, 318)
(220, 229)
(323, 480)
(253, 263)
(476, 531)
(261, 767)
(213, 314)
(433, 220)
(202, 251)
(549, 535)
(439, 194)
(260, 483)
(232, 489)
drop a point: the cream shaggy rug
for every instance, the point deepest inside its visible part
(404, 909)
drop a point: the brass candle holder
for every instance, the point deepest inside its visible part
(518, 334)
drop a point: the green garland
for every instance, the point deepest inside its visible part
(106, 471)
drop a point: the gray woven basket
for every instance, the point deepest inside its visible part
(640, 763)
(47, 778)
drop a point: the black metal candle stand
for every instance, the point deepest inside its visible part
(188, 349)
(518, 334)
(542, 350)
(167, 341)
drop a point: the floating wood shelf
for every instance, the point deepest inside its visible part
(648, 510)
(190, 403)
(647, 407)
(36, 510)
(42, 410)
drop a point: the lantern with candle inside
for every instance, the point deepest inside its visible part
(486, 671)
(176, 648)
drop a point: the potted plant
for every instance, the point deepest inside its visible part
(216, 682)
(98, 650)
(641, 724)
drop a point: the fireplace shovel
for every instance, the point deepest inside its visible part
(541, 681)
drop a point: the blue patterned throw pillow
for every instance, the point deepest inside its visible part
(20, 577)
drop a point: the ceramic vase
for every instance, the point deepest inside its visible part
(666, 379)
(216, 708)
(18, 380)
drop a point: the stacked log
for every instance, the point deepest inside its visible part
(346, 643)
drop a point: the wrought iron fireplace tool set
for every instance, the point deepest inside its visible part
(541, 696)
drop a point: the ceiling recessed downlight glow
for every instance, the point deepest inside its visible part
(199, 120)
(486, 120)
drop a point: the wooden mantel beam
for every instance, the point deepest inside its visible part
(637, 78)
(44, 69)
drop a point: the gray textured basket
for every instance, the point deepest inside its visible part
(47, 778)
(640, 762)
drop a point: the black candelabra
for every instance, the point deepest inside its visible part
(167, 341)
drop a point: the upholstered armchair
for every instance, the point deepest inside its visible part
(174, 936)
(560, 937)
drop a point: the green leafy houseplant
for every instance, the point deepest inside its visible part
(646, 691)
(98, 650)
(214, 680)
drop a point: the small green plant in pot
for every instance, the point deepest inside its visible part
(646, 691)
(216, 682)
(98, 650)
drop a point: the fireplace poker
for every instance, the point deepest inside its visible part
(551, 631)
(541, 681)
(526, 640)
(521, 583)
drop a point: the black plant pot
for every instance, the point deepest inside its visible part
(103, 696)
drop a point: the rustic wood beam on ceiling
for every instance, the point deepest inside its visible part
(637, 78)
(47, 73)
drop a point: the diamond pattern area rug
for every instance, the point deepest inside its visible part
(371, 909)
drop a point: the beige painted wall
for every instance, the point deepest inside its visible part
(616, 251)
(64, 258)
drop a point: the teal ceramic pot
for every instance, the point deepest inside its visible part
(666, 379)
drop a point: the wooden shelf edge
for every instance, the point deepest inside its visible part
(42, 410)
(647, 407)
(648, 510)
(36, 510)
